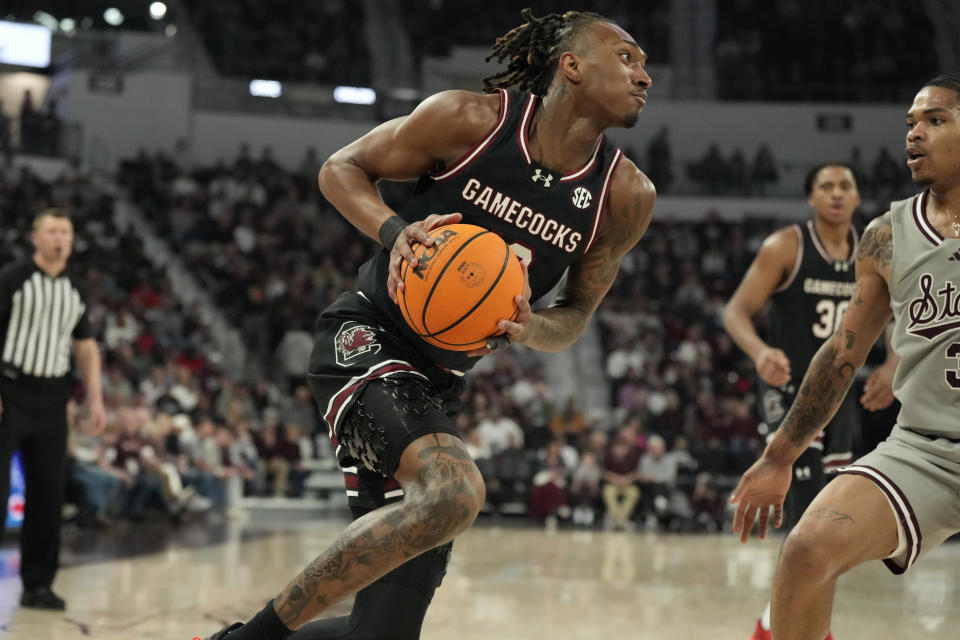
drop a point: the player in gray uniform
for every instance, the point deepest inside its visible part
(903, 499)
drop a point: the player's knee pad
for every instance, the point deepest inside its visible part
(808, 480)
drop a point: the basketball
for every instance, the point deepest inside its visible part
(461, 287)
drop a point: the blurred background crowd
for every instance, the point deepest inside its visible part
(185, 435)
(187, 432)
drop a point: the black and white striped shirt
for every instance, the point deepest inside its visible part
(40, 316)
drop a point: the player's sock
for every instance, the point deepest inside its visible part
(765, 618)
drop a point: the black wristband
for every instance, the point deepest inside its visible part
(498, 343)
(390, 230)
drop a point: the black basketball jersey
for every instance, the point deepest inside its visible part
(808, 306)
(549, 219)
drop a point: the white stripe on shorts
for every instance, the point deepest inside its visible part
(908, 530)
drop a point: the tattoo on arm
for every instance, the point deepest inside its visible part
(823, 513)
(877, 243)
(593, 275)
(851, 338)
(822, 390)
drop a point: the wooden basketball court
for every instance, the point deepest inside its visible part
(504, 582)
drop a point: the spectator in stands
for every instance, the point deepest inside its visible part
(301, 411)
(233, 468)
(763, 171)
(632, 432)
(624, 358)
(887, 176)
(498, 432)
(548, 487)
(121, 328)
(584, 489)
(274, 468)
(534, 400)
(657, 475)
(710, 172)
(133, 454)
(296, 444)
(568, 422)
(29, 124)
(234, 403)
(738, 174)
(90, 470)
(659, 168)
(293, 356)
(707, 503)
(632, 393)
(620, 491)
(859, 170)
(205, 470)
(309, 166)
(694, 348)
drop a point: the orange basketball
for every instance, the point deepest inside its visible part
(461, 287)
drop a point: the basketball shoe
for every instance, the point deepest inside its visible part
(762, 634)
(223, 633)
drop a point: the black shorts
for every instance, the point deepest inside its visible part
(835, 442)
(377, 393)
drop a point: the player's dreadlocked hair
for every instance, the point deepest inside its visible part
(534, 48)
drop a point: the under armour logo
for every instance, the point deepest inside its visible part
(802, 473)
(538, 175)
(841, 266)
(955, 257)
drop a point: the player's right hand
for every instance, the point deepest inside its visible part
(773, 367)
(762, 486)
(413, 233)
(512, 329)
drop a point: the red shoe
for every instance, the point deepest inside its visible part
(760, 633)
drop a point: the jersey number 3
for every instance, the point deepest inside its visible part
(523, 252)
(953, 377)
(831, 313)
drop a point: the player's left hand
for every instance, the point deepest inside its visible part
(402, 250)
(878, 390)
(763, 485)
(512, 329)
(98, 416)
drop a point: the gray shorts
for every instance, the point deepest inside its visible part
(920, 477)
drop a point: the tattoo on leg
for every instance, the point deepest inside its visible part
(438, 505)
(824, 513)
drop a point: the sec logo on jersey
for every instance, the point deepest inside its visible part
(581, 197)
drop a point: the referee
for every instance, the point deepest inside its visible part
(41, 313)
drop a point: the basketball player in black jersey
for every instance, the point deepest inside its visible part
(527, 159)
(807, 272)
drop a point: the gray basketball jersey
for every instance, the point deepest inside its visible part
(925, 297)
